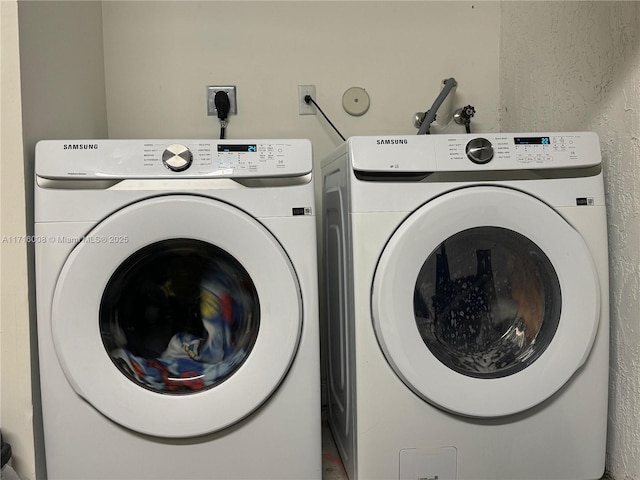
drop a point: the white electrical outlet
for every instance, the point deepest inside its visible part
(211, 104)
(303, 107)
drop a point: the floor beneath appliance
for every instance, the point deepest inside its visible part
(332, 468)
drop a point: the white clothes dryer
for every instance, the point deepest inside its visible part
(177, 309)
(466, 288)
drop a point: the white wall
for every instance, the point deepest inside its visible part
(15, 393)
(54, 89)
(62, 69)
(160, 56)
(574, 66)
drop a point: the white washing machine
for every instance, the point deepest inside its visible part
(466, 286)
(177, 309)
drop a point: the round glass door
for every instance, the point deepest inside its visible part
(184, 324)
(485, 301)
(179, 316)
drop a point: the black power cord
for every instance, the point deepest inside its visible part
(223, 105)
(308, 99)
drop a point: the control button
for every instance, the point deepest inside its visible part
(479, 150)
(177, 157)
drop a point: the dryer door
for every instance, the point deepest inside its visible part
(177, 316)
(485, 301)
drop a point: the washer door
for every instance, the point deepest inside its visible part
(485, 301)
(177, 316)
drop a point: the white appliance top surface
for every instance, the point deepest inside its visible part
(474, 152)
(176, 158)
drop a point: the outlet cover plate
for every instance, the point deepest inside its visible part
(303, 107)
(211, 95)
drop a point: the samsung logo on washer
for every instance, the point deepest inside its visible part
(80, 146)
(392, 141)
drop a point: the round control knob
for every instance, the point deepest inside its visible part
(177, 157)
(480, 150)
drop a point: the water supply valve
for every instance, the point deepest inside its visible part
(463, 116)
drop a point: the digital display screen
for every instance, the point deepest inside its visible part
(237, 148)
(532, 140)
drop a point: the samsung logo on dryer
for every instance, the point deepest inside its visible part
(392, 141)
(80, 146)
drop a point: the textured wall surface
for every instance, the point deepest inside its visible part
(576, 66)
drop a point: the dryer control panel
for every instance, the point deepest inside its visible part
(525, 150)
(474, 152)
(123, 159)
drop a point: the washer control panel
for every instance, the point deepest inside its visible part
(544, 149)
(105, 159)
(518, 151)
(397, 154)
